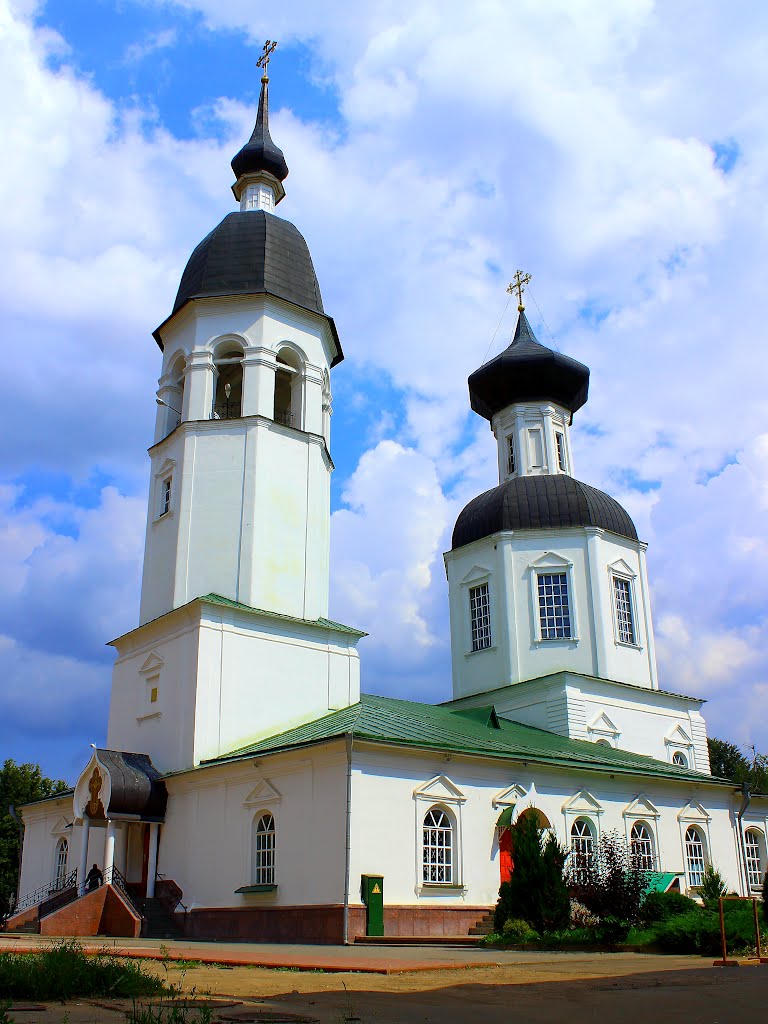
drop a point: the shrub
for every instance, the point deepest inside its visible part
(581, 917)
(63, 970)
(518, 931)
(660, 906)
(699, 930)
(610, 884)
(712, 886)
(611, 931)
(536, 892)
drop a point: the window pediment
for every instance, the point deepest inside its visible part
(477, 572)
(262, 794)
(152, 665)
(166, 469)
(62, 827)
(641, 807)
(693, 811)
(622, 568)
(582, 803)
(678, 737)
(441, 790)
(550, 560)
(508, 797)
(602, 725)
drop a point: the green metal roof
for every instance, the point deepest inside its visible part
(225, 602)
(403, 723)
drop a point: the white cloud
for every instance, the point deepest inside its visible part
(573, 139)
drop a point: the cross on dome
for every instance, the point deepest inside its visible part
(263, 62)
(518, 285)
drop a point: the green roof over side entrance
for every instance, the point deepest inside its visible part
(403, 723)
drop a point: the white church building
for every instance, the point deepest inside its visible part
(247, 789)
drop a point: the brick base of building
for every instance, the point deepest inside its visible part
(324, 924)
(100, 912)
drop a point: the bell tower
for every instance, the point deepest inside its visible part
(238, 521)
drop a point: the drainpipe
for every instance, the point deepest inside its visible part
(20, 823)
(747, 798)
(348, 841)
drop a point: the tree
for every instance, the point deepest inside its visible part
(727, 761)
(611, 884)
(19, 784)
(536, 891)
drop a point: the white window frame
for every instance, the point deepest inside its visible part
(695, 875)
(588, 836)
(641, 810)
(439, 792)
(163, 477)
(650, 841)
(561, 452)
(436, 829)
(628, 582)
(677, 741)
(477, 619)
(693, 814)
(622, 571)
(476, 577)
(59, 868)
(512, 459)
(264, 873)
(541, 467)
(552, 564)
(755, 880)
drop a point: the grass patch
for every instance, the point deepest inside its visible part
(63, 971)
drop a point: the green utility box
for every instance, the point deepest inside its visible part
(373, 898)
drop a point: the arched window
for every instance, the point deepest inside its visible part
(680, 759)
(754, 849)
(60, 864)
(288, 389)
(264, 850)
(641, 847)
(437, 847)
(582, 846)
(695, 856)
(228, 401)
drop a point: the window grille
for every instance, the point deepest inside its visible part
(752, 851)
(511, 465)
(641, 847)
(480, 615)
(264, 851)
(437, 846)
(680, 759)
(560, 441)
(582, 847)
(62, 849)
(694, 856)
(622, 594)
(554, 610)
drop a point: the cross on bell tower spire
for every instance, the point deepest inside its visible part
(263, 62)
(518, 285)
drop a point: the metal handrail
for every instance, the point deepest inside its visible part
(115, 877)
(31, 899)
(171, 902)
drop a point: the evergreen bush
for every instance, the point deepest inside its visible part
(699, 931)
(536, 892)
(660, 906)
(518, 931)
(712, 887)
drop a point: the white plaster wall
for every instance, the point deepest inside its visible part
(384, 806)
(227, 677)
(42, 831)
(508, 562)
(205, 844)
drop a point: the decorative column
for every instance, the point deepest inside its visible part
(198, 386)
(550, 447)
(313, 400)
(154, 835)
(109, 851)
(259, 366)
(82, 871)
(602, 623)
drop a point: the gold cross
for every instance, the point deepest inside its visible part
(518, 285)
(264, 59)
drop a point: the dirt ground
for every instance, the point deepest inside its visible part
(587, 988)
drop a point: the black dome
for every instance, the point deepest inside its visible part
(540, 503)
(260, 153)
(528, 371)
(249, 253)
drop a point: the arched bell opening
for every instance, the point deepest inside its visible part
(288, 389)
(228, 400)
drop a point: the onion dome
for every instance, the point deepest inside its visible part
(546, 502)
(253, 253)
(260, 153)
(528, 371)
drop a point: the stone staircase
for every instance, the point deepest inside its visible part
(158, 922)
(484, 926)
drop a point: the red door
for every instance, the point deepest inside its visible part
(505, 854)
(145, 860)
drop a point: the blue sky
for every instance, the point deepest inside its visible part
(618, 152)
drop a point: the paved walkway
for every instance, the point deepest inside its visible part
(368, 959)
